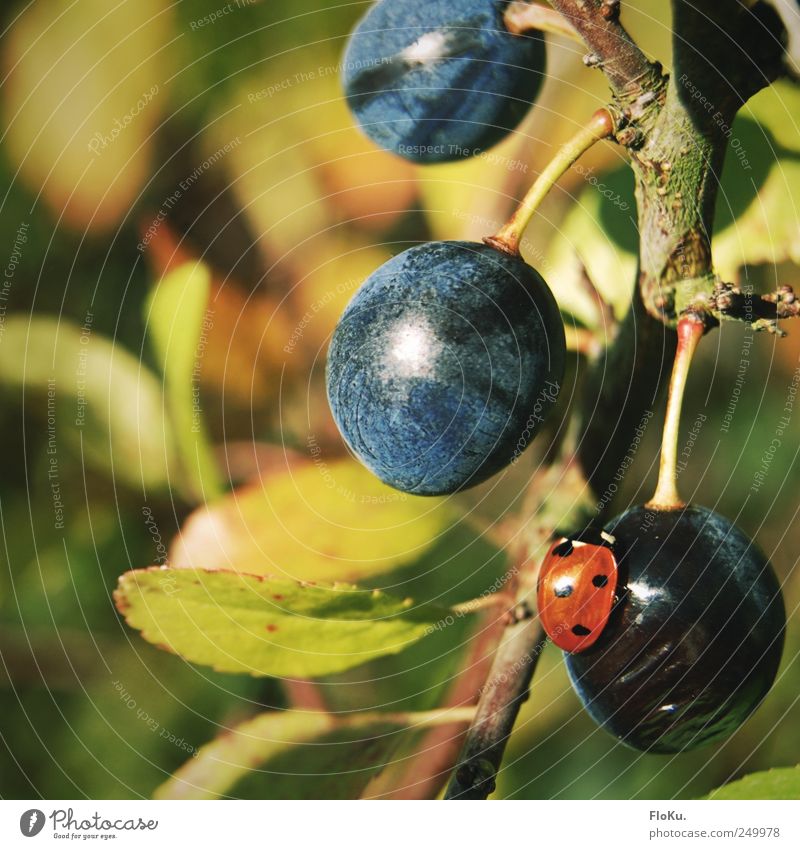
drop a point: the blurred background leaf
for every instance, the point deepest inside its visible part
(361, 526)
(97, 396)
(177, 319)
(84, 94)
(294, 755)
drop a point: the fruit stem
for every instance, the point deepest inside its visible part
(509, 236)
(523, 17)
(666, 497)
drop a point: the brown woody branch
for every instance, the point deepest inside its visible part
(558, 495)
(628, 70)
(762, 312)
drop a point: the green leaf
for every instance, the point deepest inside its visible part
(776, 109)
(176, 316)
(757, 218)
(300, 755)
(772, 784)
(461, 566)
(361, 527)
(105, 403)
(269, 626)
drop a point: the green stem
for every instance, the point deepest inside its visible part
(508, 237)
(418, 719)
(666, 497)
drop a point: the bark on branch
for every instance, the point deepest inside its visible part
(629, 72)
(723, 53)
(503, 695)
(557, 495)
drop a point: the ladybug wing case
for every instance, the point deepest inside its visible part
(575, 593)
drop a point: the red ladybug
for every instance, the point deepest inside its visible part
(576, 590)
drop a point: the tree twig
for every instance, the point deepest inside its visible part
(423, 773)
(557, 495)
(762, 312)
(502, 696)
(628, 70)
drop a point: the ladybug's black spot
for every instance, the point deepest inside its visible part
(564, 591)
(600, 580)
(564, 549)
(580, 631)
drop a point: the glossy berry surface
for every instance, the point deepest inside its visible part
(695, 641)
(444, 365)
(440, 80)
(576, 591)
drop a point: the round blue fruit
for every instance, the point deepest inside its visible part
(696, 637)
(444, 365)
(440, 80)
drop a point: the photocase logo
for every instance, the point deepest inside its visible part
(31, 822)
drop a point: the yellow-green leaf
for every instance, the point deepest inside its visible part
(768, 231)
(235, 622)
(86, 86)
(777, 109)
(758, 215)
(772, 784)
(103, 401)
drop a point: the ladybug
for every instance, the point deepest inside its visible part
(577, 588)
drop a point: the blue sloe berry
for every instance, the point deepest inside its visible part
(444, 365)
(439, 80)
